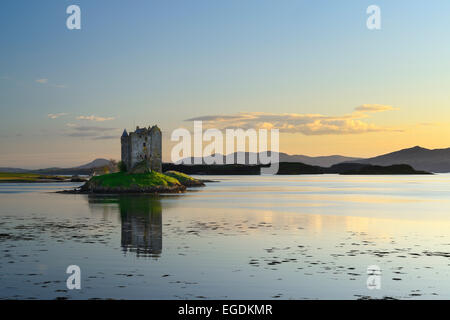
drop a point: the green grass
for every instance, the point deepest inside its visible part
(182, 177)
(26, 177)
(125, 180)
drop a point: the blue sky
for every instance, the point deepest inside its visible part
(146, 62)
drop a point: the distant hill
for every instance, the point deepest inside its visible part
(368, 169)
(421, 159)
(433, 160)
(292, 168)
(100, 162)
(85, 169)
(322, 161)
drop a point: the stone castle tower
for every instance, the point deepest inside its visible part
(144, 144)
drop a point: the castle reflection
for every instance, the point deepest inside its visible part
(141, 222)
(141, 226)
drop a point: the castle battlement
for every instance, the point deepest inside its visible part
(144, 144)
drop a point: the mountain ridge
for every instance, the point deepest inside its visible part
(85, 169)
(433, 160)
(323, 161)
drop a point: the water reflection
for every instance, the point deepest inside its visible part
(141, 223)
(141, 226)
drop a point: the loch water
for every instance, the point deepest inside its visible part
(243, 237)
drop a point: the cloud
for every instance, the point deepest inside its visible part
(93, 135)
(62, 86)
(81, 134)
(429, 124)
(95, 118)
(45, 81)
(106, 137)
(94, 132)
(307, 124)
(89, 128)
(374, 108)
(56, 115)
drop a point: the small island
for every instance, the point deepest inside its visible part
(146, 182)
(140, 170)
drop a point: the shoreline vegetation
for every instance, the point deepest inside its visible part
(181, 173)
(12, 177)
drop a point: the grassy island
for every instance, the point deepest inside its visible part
(184, 179)
(148, 182)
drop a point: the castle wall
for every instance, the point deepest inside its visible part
(143, 144)
(137, 152)
(124, 149)
(156, 150)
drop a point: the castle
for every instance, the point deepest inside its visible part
(144, 144)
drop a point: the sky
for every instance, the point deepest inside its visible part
(310, 68)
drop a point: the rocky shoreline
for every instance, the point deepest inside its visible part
(131, 190)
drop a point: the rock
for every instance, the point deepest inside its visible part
(77, 178)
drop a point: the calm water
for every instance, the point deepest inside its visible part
(282, 237)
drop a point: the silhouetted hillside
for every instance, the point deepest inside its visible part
(86, 169)
(322, 161)
(97, 163)
(287, 168)
(299, 168)
(203, 169)
(391, 170)
(437, 160)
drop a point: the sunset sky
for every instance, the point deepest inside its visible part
(310, 68)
